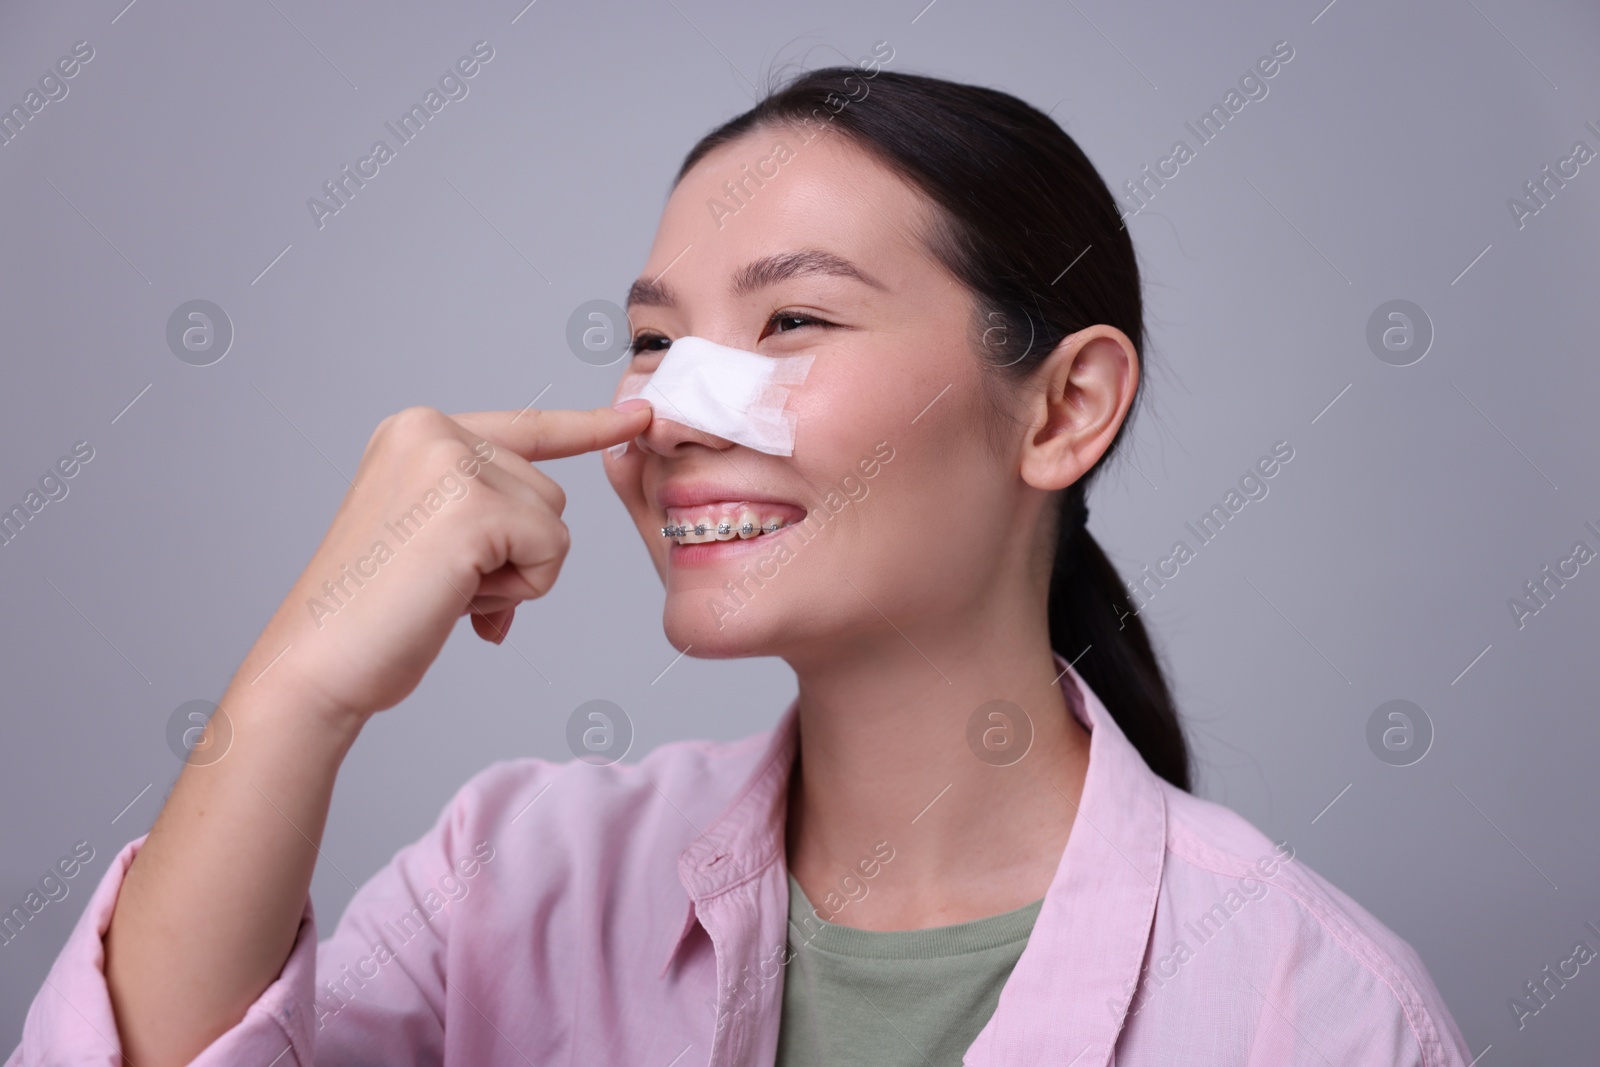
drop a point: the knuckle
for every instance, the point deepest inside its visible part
(414, 421)
(438, 456)
(402, 430)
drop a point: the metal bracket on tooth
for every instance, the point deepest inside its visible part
(700, 529)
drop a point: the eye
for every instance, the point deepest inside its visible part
(798, 320)
(646, 342)
(643, 340)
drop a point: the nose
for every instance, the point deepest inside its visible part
(666, 436)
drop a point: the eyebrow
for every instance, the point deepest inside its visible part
(758, 274)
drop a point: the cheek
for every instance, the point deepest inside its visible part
(840, 413)
(920, 512)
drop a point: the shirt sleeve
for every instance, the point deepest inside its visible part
(373, 993)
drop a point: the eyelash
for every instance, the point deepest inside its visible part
(645, 337)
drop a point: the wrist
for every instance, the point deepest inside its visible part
(292, 710)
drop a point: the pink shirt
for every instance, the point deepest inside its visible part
(637, 914)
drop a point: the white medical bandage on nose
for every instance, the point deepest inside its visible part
(727, 392)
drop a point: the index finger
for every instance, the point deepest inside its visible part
(534, 434)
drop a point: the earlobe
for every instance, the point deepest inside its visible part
(1049, 461)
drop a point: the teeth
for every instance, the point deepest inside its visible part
(746, 524)
(749, 522)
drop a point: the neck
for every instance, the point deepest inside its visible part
(885, 769)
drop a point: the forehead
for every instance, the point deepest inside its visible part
(771, 192)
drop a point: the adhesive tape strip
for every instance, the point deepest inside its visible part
(727, 392)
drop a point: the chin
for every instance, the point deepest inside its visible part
(692, 623)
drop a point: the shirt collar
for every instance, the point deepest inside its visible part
(748, 835)
(1068, 994)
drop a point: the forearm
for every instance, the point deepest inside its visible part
(210, 907)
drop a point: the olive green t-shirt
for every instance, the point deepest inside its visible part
(890, 997)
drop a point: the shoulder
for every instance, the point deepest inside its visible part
(1304, 937)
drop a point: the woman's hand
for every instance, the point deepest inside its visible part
(447, 515)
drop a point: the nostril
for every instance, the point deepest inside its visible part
(667, 437)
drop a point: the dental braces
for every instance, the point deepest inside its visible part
(701, 529)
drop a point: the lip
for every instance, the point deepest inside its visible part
(693, 494)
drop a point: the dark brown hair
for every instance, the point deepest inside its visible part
(1018, 203)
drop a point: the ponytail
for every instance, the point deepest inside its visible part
(1092, 617)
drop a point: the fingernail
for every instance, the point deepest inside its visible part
(631, 405)
(617, 450)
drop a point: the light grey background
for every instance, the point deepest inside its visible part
(1419, 499)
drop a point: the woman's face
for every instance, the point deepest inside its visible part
(906, 514)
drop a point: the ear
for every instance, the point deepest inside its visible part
(1080, 394)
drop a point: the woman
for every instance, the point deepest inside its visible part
(957, 846)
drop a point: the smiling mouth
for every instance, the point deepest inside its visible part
(728, 521)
